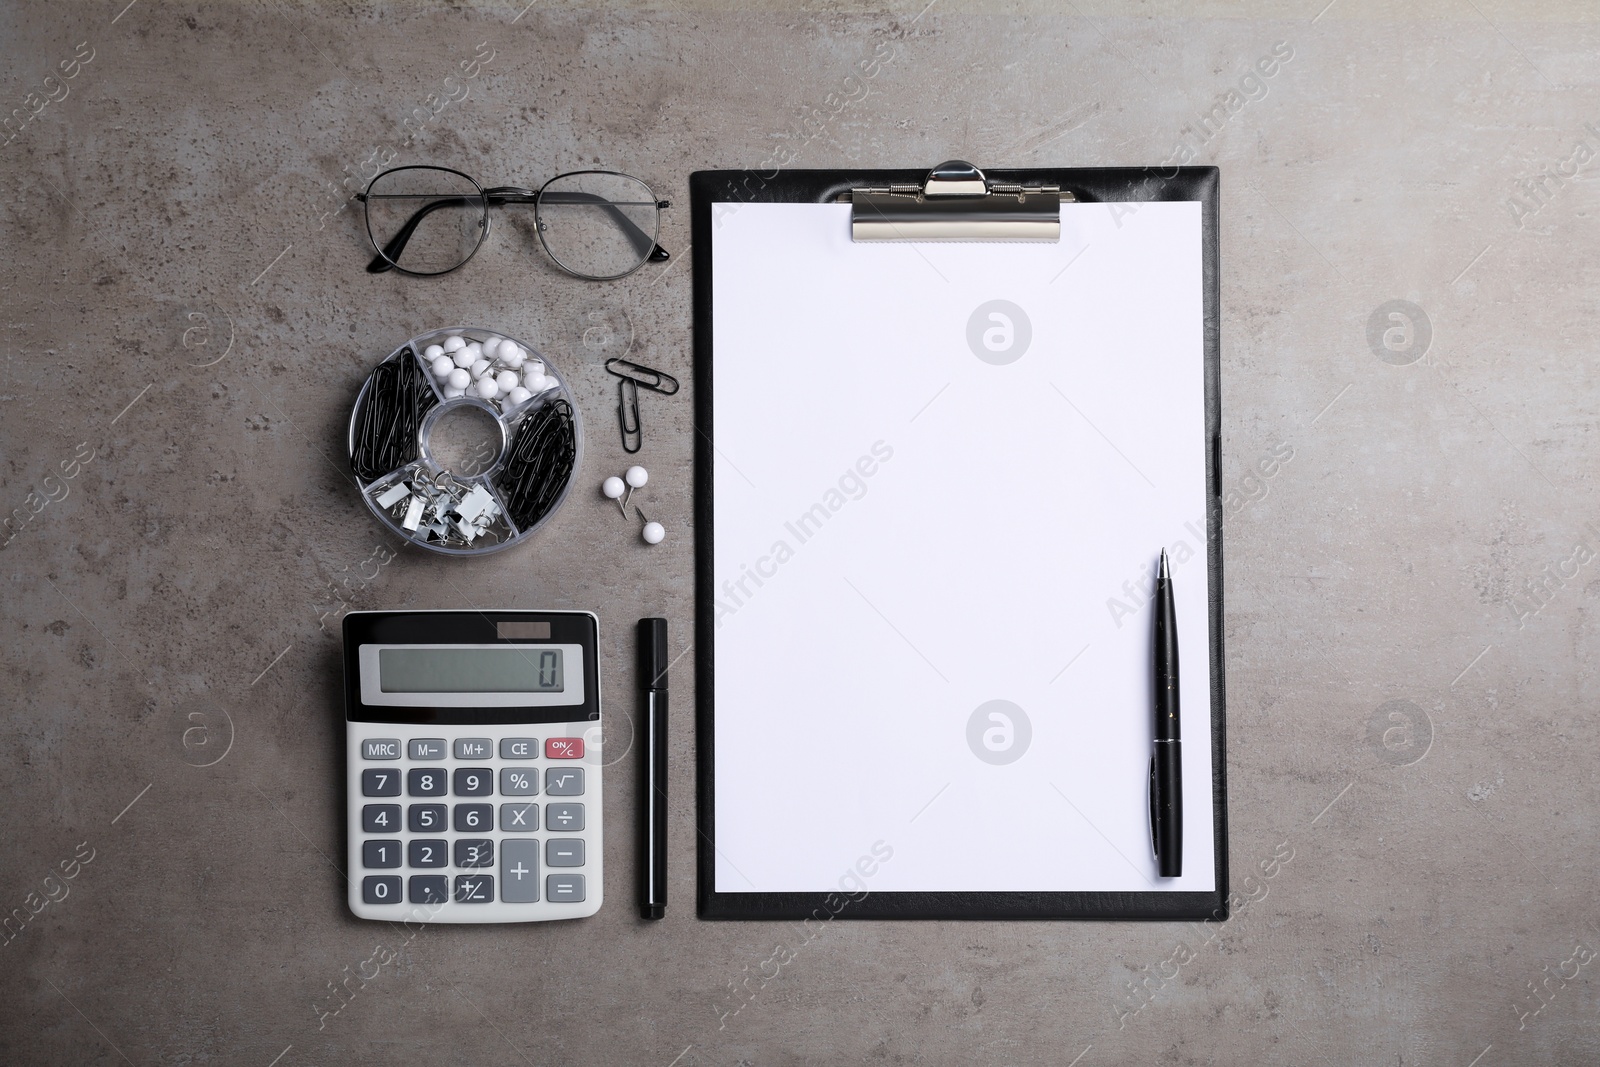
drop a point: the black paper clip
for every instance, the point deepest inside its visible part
(634, 375)
(656, 381)
(628, 405)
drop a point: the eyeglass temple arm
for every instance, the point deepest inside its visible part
(637, 237)
(385, 260)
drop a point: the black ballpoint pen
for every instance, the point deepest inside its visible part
(653, 782)
(1166, 761)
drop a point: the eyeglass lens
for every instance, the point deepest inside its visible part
(425, 220)
(597, 225)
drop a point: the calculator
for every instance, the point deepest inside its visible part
(473, 765)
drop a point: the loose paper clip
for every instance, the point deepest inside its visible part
(628, 406)
(656, 381)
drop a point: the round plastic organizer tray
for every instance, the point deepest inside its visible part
(487, 526)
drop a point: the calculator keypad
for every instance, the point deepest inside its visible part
(469, 846)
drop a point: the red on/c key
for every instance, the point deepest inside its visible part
(563, 748)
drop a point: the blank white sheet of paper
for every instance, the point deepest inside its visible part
(943, 475)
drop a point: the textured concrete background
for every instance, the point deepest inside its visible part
(1412, 598)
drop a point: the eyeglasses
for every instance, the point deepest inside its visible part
(595, 224)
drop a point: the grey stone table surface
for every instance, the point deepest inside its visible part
(1411, 423)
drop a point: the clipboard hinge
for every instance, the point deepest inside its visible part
(957, 203)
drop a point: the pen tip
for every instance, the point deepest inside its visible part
(1163, 572)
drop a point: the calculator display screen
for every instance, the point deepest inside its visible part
(470, 670)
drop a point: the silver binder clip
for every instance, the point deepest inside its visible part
(957, 203)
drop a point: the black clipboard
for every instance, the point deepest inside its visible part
(954, 201)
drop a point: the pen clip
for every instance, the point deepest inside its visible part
(1150, 794)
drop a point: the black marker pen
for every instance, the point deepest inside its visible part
(653, 812)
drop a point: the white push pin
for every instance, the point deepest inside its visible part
(653, 533)
(637, 476)
(613, 488)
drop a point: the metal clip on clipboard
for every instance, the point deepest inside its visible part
(957, 203)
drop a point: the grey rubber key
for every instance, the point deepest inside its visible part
(473, 782)
(519, 782)
(378, 854)
(474, 748)
(563, 817)
(426, 818)
(519, 818)
(474, 818)
(429, 888)
(474, 889)
(563, 852)
(563, 781)
(519, 870)
(519, 748)
(427, 748)
(426, 782)
(428, 852)
(474, 852)
(564, 888)
(381, 748)
(380, 818)
(384, 783)
(381, 889)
